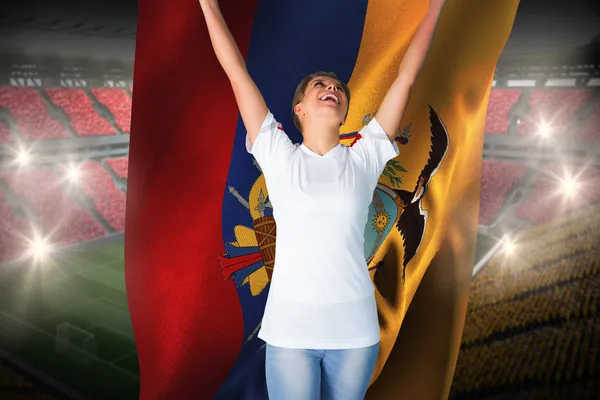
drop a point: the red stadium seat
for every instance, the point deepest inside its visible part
(56, 212)
(536, 306)
(555, 107)
(108, 199)
(28, 109)
(499, 107)
(79, 108)
(5, 135)
(497, 177)
(548, 201)
(119, 104)
(12, 230)
(590, 130)
(119, 165)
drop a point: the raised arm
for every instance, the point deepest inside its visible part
(392, 107)
(249, 99)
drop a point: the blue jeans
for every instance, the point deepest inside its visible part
(298, 374)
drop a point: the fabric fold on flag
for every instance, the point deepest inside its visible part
(200, 232)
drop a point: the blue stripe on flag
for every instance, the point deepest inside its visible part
(290, 39)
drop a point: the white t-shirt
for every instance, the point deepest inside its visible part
(321, 294)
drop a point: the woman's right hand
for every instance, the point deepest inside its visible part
(249, 99)
(208, 2)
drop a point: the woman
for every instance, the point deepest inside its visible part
(320, 322)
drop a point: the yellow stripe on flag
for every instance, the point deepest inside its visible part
(456, 79)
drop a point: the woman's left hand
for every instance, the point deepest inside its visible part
(436, 4)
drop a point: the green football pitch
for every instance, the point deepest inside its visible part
(69, 319)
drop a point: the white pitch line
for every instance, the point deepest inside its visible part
(62, 278)
(113, 330)
(70, 309)
(116, 360)
(101, 361)
(126, 308)
(67, 310)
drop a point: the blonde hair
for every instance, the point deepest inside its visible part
(301, 89)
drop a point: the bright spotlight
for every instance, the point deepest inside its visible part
(544, 129)
(39, 249)
(23, 157)
(570, 186)
(73, 174)
(508, 246)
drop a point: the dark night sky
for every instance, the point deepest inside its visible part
(553, 24)
(540, 26)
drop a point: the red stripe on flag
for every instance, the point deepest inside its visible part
(356, 139)
(186, 318)
(235, 264)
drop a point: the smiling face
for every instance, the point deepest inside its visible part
(323, 96)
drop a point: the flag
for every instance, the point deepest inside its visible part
(199, 238)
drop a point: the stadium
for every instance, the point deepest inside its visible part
(533, 321)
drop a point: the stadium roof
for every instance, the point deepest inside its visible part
(551, 29)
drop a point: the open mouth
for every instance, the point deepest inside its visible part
(330, 98)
